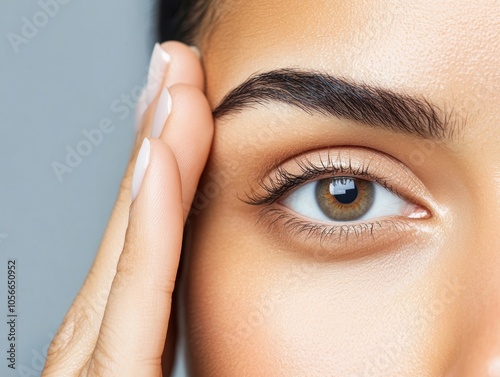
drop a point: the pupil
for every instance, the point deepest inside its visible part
(344, 190)
(344, 198)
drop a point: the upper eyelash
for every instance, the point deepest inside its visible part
(284, 181)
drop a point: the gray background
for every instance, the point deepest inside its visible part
(77, 62)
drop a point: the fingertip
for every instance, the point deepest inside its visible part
(189, 134)
(185, 66)
(139, 303)
(160, 59)
(163, 109)
(163, 183)
(196, 51)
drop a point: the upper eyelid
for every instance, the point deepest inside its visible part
(379, 167)
(282, 187)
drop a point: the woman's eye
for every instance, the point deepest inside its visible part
(343, 199)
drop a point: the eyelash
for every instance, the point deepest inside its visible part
(284, 181)
(326, 232)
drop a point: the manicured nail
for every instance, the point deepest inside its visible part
(196, 50)
(159, 61)
(141, 164)
(163, 109)
(140, 109)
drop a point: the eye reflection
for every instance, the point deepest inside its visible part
(344, 198)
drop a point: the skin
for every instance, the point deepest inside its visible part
(424, 303)
(257, 298)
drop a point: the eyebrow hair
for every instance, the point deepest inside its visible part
(318, 92)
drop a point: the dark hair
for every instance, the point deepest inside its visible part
(182, 20)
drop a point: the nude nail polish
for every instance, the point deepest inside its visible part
(196, 50)
(163, 109)
(141, 165)
(159, 61)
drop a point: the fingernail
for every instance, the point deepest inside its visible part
(140, 109)
(141, 164)
(163, 109)
(159, 61)
(196, 50)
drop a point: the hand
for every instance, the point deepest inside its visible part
(117, 324)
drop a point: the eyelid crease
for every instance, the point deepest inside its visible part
(355, 161)
(284, 181)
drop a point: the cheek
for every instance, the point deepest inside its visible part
(222, 289)
(250, 308)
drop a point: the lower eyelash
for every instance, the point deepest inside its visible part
(325, 232)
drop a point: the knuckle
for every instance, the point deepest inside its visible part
(180, 90)
(78, 321)
(166, 287)
(61, 340)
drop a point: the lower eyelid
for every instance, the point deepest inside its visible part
(340, 241)
(339, 228)
(347, 240)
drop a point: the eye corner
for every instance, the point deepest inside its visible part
(417, 212)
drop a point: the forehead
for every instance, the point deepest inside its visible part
(445, 49)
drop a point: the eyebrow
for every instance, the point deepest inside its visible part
(319, 92)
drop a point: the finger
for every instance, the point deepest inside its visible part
(185, 66)
(135, 322)
(76, 337)
(182, 66)
(188, 133)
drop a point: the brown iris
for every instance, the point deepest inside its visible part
(344, 198)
